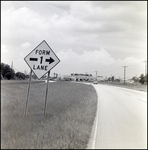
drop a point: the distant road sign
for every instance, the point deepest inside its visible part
(41, 59)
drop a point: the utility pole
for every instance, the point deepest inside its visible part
(96, 75)
(145, 66)
(124, 72)
(12, 65)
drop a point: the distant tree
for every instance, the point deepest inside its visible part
(20, 76)
(109, 79)
(7, 72)
(135, 79)
(117, 80)
(27, 76)
(145, 78)
(44, 76)
(34, 76)
(142, 79)
(112, 78)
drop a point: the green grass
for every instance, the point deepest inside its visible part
(70, 113)
(134, 86)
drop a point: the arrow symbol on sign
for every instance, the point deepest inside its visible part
(33, 59)
(49, 60)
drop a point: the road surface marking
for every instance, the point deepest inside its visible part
(127, 94)
(141, 100)
(97, 120)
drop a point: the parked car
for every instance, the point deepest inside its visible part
(95, 82)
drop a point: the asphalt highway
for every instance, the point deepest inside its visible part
(121, 120)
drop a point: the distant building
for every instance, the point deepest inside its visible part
(78, 77)
(82, 77)
(67, 78)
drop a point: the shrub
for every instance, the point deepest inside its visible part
(20, 75)
(7, 72)
(143, 79)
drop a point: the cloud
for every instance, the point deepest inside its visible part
(109, 16)
(22, 17)
(4, 53)
(4, 50)
(22, 22)
(25, 45)
(87, 61)
(76, 31)
(97, 60)
(81, 18)
(99, 57)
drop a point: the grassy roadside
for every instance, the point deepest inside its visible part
(133, 86)
(70, 113)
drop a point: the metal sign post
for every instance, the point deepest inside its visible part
(28, 92)
(46, 91)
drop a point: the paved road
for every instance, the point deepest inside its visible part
(121, 120)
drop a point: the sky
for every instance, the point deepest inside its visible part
(87, 36)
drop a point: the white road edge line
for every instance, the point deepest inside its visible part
(126, 94)
(96, 122)
(141, 100)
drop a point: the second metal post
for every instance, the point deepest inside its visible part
(46, 92)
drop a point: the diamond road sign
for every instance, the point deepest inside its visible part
(42, 59)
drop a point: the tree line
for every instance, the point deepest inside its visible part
(7, 73)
